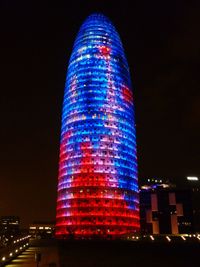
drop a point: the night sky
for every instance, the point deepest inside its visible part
(162, 44)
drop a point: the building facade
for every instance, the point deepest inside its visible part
(97, 183)
(42, 229)
(194, 187)
(9, 226)
(166, 210)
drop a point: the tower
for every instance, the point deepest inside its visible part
(97, 183)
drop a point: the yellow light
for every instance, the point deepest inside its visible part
(10, 254)
(16, 250)
(183, 238)
(3, 258)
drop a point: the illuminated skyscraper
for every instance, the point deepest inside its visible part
(97, 184)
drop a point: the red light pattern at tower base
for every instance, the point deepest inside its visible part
(97, 183)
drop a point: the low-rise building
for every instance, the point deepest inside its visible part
(164, 209)
(9, 226)
(42, 229)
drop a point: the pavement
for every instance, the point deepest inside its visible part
(49, 258)
(102, 253)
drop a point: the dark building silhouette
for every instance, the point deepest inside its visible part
(41, 229)
(9, 226)
(194, 187)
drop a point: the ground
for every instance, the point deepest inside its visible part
(110, 254)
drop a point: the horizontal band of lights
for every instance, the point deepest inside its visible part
(97, 184)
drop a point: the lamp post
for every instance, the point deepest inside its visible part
(37, 258)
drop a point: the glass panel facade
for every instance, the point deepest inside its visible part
(97, 183)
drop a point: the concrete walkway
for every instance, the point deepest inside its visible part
(49, 258)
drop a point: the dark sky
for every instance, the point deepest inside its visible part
(162, 45)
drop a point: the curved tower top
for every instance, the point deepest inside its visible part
(97, 30)
(97, 183)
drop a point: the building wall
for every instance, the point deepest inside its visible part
(42, 230)
(9, 225)
(166, 211)
(97, 184)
